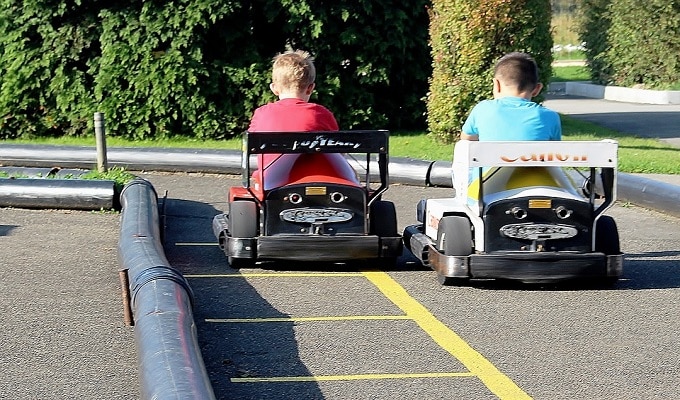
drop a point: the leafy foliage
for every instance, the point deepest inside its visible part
(467, 38)
(645, 42)
(593, 27)
(631, 42)
(200, 67)
(46, 67)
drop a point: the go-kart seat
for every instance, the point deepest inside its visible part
(515, 179)
(291, 169)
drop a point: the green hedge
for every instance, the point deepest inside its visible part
(199, 68)
(632, 43)
(467, 38)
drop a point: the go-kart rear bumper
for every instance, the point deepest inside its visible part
(527, 266)
(314, 247)
(518, 265)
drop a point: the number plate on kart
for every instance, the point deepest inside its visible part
(538, 231)
(316, 215)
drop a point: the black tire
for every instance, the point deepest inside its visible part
(383, 219)
(607, 236)
(454, 236)
(238, 263)
(242, 219)
(449, 281)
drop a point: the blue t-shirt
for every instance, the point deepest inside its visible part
(513, 119)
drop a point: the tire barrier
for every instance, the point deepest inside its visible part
(75, 194)
(440, 174)
(169, 358)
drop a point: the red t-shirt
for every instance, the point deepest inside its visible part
(291, 115)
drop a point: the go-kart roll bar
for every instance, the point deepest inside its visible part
(601, 154)
(348, 141)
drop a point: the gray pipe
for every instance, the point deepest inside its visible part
(135, 159)
(74, 194)
(100, 140)
(638, 190)
(649, 193)
(170, 361)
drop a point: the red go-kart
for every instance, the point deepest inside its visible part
(312, 198)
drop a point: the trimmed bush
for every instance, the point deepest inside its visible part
(632, 43)
(593, 28)
(645, 43)
(200, 68)
(467, 38)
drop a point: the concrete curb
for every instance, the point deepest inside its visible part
(641, 191)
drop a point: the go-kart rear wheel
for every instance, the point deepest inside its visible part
(238, 263)
(383, 219)
(607, 236)
(449, 281)
(454, 236)
(242, 219)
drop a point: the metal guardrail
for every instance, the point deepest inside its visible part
(638, 190)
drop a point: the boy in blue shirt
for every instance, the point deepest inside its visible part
(511, 115)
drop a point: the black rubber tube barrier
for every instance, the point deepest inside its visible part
(170, 361)
(75, 194)
(648, 193)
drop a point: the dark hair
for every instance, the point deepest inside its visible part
(517, 69)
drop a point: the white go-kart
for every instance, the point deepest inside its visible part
(524, 211)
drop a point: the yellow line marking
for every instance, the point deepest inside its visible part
(500, 384)
(279, 275)
(311, 319)
(195, 244)
(353, 377)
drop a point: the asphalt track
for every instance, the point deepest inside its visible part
(63, 334)
(314, 331)
(333, 333)
(660, 121)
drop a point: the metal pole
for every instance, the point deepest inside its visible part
(100, 136)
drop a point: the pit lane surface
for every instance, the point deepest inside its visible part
(313, 331)
(333, 335)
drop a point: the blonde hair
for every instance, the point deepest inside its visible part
(293, 70)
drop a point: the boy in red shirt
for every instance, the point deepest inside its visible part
(293, 76)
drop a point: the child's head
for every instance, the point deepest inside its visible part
(293, 75)
(516, 74)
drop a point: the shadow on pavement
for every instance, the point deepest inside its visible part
(232, 350)
(5, 230)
